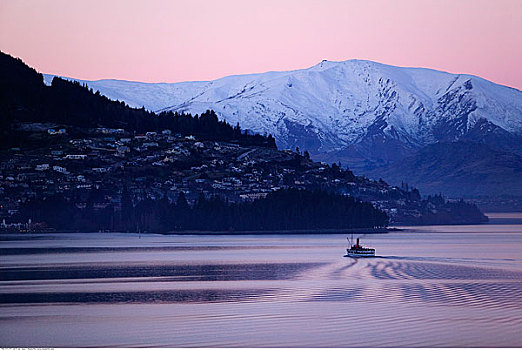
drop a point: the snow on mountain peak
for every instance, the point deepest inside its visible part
(349, 106)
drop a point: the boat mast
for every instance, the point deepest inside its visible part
(350, 241)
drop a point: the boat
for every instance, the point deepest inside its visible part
(358, 251)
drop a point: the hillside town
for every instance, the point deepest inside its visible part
(103, 163)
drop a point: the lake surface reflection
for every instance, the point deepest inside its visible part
(430, 286)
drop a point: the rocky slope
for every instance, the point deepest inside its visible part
(351, 108)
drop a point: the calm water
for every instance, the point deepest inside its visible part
(431, 286)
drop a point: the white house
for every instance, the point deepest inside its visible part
(56, 131)
(76, 156)
(60, 169)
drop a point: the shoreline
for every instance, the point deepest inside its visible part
(237, 233)
(285, 232)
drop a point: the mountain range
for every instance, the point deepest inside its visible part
(374, 118)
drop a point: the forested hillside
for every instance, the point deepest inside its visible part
(24, 98)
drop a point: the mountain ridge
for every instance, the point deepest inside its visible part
(48, 76)
(236, 90)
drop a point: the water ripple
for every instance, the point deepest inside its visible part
(423, 271)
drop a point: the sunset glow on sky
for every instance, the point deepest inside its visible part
(170, 41)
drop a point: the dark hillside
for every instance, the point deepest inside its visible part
(459, 169)
(24, 98)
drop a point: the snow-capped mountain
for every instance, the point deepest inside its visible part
(349, 111)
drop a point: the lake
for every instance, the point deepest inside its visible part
(435, 286)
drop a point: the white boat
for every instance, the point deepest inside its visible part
(358, 251)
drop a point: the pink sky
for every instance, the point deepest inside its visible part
(172, 41)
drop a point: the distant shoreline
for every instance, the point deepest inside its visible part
(286, 232)
(237, 233)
